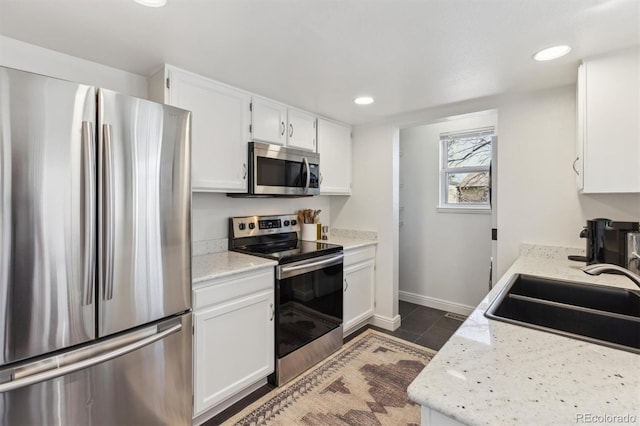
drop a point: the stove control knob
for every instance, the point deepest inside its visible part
(286, 223)
(293, 222)
(241, 226)
(252, 225)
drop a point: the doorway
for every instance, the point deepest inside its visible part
(445, 212)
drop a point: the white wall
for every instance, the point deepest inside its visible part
(444, 257)
(374, 206)
(538, 200)
(211, 212)
(32, 58)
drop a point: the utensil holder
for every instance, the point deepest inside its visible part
(308, 232)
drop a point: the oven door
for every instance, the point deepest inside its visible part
(276, 170)
(309, 298)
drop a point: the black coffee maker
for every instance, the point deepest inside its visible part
(607, 241)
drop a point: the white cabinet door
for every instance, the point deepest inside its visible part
(611, 140)
(334, 146)
(578, 162)
(302, 130)
(233, 347)
(359, 294)
(268, 121)
(220, 130)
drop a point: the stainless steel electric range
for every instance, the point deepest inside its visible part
(308, 290)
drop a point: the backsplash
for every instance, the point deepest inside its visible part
(353, 233)
(550, 252)
(211, 212)
(209, 246)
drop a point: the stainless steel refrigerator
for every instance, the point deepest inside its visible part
(95, 256)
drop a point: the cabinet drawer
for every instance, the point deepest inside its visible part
(233, 286)
(359, 254)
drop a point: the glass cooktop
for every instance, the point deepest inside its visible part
(290, 251)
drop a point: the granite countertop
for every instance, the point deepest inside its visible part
(493, 373)
(350, 242)
(350, 239)
(209, 266)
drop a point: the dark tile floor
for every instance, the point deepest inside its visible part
(424, 326)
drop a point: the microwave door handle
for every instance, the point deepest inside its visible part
(306, 165)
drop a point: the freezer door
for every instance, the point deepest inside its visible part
(138, 378)
(144, 206)
(47, 214)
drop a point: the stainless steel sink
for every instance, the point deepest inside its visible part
(598, 314)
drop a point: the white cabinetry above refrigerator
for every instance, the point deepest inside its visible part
(220, 126)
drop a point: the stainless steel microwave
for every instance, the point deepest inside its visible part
(277, 170)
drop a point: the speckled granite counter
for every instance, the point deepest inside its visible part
(351, 239)
(493, 373)
(215, 265)
(350, 243)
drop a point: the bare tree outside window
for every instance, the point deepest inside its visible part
(466, 158)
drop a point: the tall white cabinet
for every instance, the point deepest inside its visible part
(220, 127)
(608, 144)
(334, 146)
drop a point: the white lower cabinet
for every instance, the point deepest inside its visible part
(233, 336)
(359, 287)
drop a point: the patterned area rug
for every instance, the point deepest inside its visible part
(364, 383)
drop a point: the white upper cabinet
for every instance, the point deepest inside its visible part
(268, 121)
(220, 127)
(608, 147)
(301, 130)
(334, 146)
(273, 122)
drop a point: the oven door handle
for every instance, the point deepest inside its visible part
(290, 271)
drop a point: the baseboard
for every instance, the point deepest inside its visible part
(387, 323)
(432, 302)
(213, 411)
(357, 326)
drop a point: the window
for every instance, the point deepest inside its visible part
(464, 172)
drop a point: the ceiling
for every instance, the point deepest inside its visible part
(319, 55)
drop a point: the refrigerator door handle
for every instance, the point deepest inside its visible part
(81, 359)
(89, 202)
(107, 214)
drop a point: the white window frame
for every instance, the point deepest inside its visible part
(443, 205)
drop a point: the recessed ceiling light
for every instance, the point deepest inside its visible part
(363, 100)
(552, 53)
(151, 3)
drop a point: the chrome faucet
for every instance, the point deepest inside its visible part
(598, 268)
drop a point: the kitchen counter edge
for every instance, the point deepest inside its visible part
(216, 265)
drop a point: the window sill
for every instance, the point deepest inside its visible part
(464, 209)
